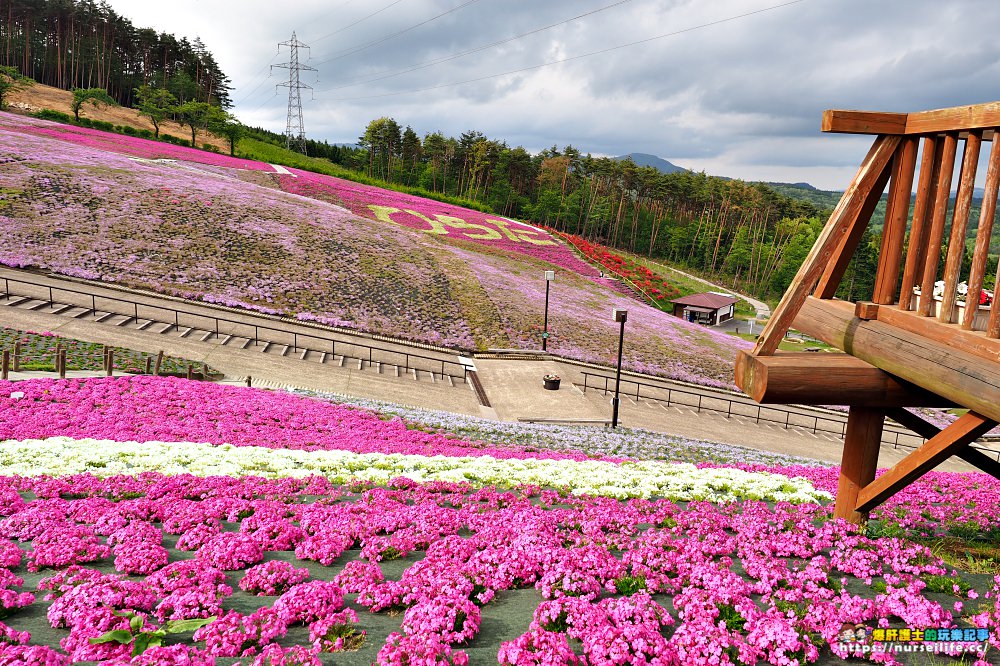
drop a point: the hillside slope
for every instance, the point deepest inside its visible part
(38, 97)
(222, 230)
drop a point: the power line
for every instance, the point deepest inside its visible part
(262, 104)
(361, 20)
(430, 63)
(323, 17)
(572, 58)
(261, 71)
(363, 47)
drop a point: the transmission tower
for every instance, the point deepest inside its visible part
(295, 129)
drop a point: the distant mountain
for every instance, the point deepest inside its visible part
(803, 186)
(647, 160)
(822, 199)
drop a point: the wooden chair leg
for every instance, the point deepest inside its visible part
(860, 459)
(968, 428)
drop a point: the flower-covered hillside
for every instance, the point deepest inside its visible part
(444, 220)
(84, 212)
(310, 553)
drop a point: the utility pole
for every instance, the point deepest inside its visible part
(295, 129)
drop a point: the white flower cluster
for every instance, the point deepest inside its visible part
(676, 481)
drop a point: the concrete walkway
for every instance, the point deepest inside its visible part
(271, 371)
(513, 387)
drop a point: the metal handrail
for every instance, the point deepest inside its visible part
(257, 328)
(759, 416)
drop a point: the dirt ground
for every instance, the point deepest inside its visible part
(39, 97)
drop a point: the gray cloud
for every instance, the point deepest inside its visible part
(739, 98)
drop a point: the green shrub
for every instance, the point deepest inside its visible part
(630, 584)
(52, 114)
(946, 584)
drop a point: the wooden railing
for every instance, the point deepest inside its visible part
(946, 345)
(944, 139)
(904, 347)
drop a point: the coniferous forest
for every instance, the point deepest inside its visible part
(85, 44)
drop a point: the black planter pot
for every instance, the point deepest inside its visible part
(551, 384)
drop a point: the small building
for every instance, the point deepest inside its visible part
(710, 308)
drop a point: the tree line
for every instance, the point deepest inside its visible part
(744, 234)
(85, 44)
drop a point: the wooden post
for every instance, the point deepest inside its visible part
(149, 364)
(204, 370)
(159, 362)
(894, 229)
(62, 364)
(190, 372)
(857, 467)
(968, 428)
(959, 223)
(17, 357)
(249, 380)
(5, 368)
(111, 362)
(935, 233)
(844, 217)
(55, 357)
(917, 246)
(984, 233)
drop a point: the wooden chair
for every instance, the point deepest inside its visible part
(903, 349)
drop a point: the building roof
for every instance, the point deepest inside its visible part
(706, 300)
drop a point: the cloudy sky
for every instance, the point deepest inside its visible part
(732, 87)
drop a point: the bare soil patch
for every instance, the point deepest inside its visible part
(38, 97)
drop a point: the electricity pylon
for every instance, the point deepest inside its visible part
(295, 129)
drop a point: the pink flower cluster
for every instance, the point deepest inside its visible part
(749, 581)
(231, 551)
(189, 589)
(147, 408)
(627, 630)
(272, 578)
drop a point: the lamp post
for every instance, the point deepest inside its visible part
(549, 277)
(620, 316)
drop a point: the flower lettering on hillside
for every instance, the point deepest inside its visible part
(441, 225)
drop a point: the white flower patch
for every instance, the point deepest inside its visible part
(677, 481)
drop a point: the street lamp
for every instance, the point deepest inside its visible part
(549, 277)
(620, 316)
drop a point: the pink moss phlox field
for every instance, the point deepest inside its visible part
(636, 582)
(938, 503)
(130, 145)
(146, 408)
(444, 220)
